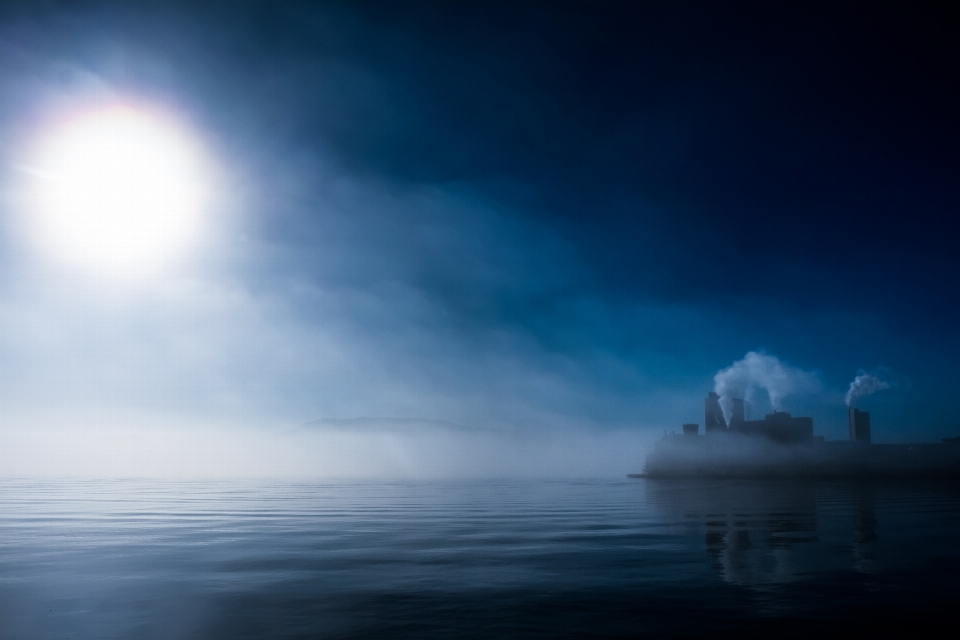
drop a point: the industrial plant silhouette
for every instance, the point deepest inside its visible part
(781, 445)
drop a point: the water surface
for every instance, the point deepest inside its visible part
(598, 558)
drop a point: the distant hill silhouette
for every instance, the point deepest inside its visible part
(392, 425)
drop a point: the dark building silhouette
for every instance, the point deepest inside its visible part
(752, 449)
(713, 415)
(737, 416)
(859, 425)
(779, 426)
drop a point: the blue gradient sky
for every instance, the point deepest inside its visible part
(507, 215)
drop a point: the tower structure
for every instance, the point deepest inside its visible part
(859, 425)
(713, 415)
(737, 416)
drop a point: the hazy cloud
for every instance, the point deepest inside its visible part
(864, 385)
(760, 371)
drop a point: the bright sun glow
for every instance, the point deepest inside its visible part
(117, 190)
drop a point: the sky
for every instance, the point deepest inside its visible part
(551, 217)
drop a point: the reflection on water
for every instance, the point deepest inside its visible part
(470, 559)
(754, 533)
(865, 540)
(780, 531)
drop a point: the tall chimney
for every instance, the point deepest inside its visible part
(859, 425)
(713, 414)
(736, 414)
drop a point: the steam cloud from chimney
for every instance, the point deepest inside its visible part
(759, 370)
(864, 385)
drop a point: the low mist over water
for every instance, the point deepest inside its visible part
(358, 448)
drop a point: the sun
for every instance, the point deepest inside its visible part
(117, 190)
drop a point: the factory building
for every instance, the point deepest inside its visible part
(778, 426)
(737, 414)
(713, 415)
(859, 425)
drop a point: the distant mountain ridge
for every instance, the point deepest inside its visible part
(381, 424)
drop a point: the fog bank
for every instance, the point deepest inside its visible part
(375, 450)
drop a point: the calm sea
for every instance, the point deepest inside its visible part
(488, 559)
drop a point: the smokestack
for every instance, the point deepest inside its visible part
(859, 425)
(713, 414)
(736, 414)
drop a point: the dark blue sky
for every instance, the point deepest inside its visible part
(504, 214)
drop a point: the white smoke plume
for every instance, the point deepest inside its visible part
(762, 371)
(863, 385)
